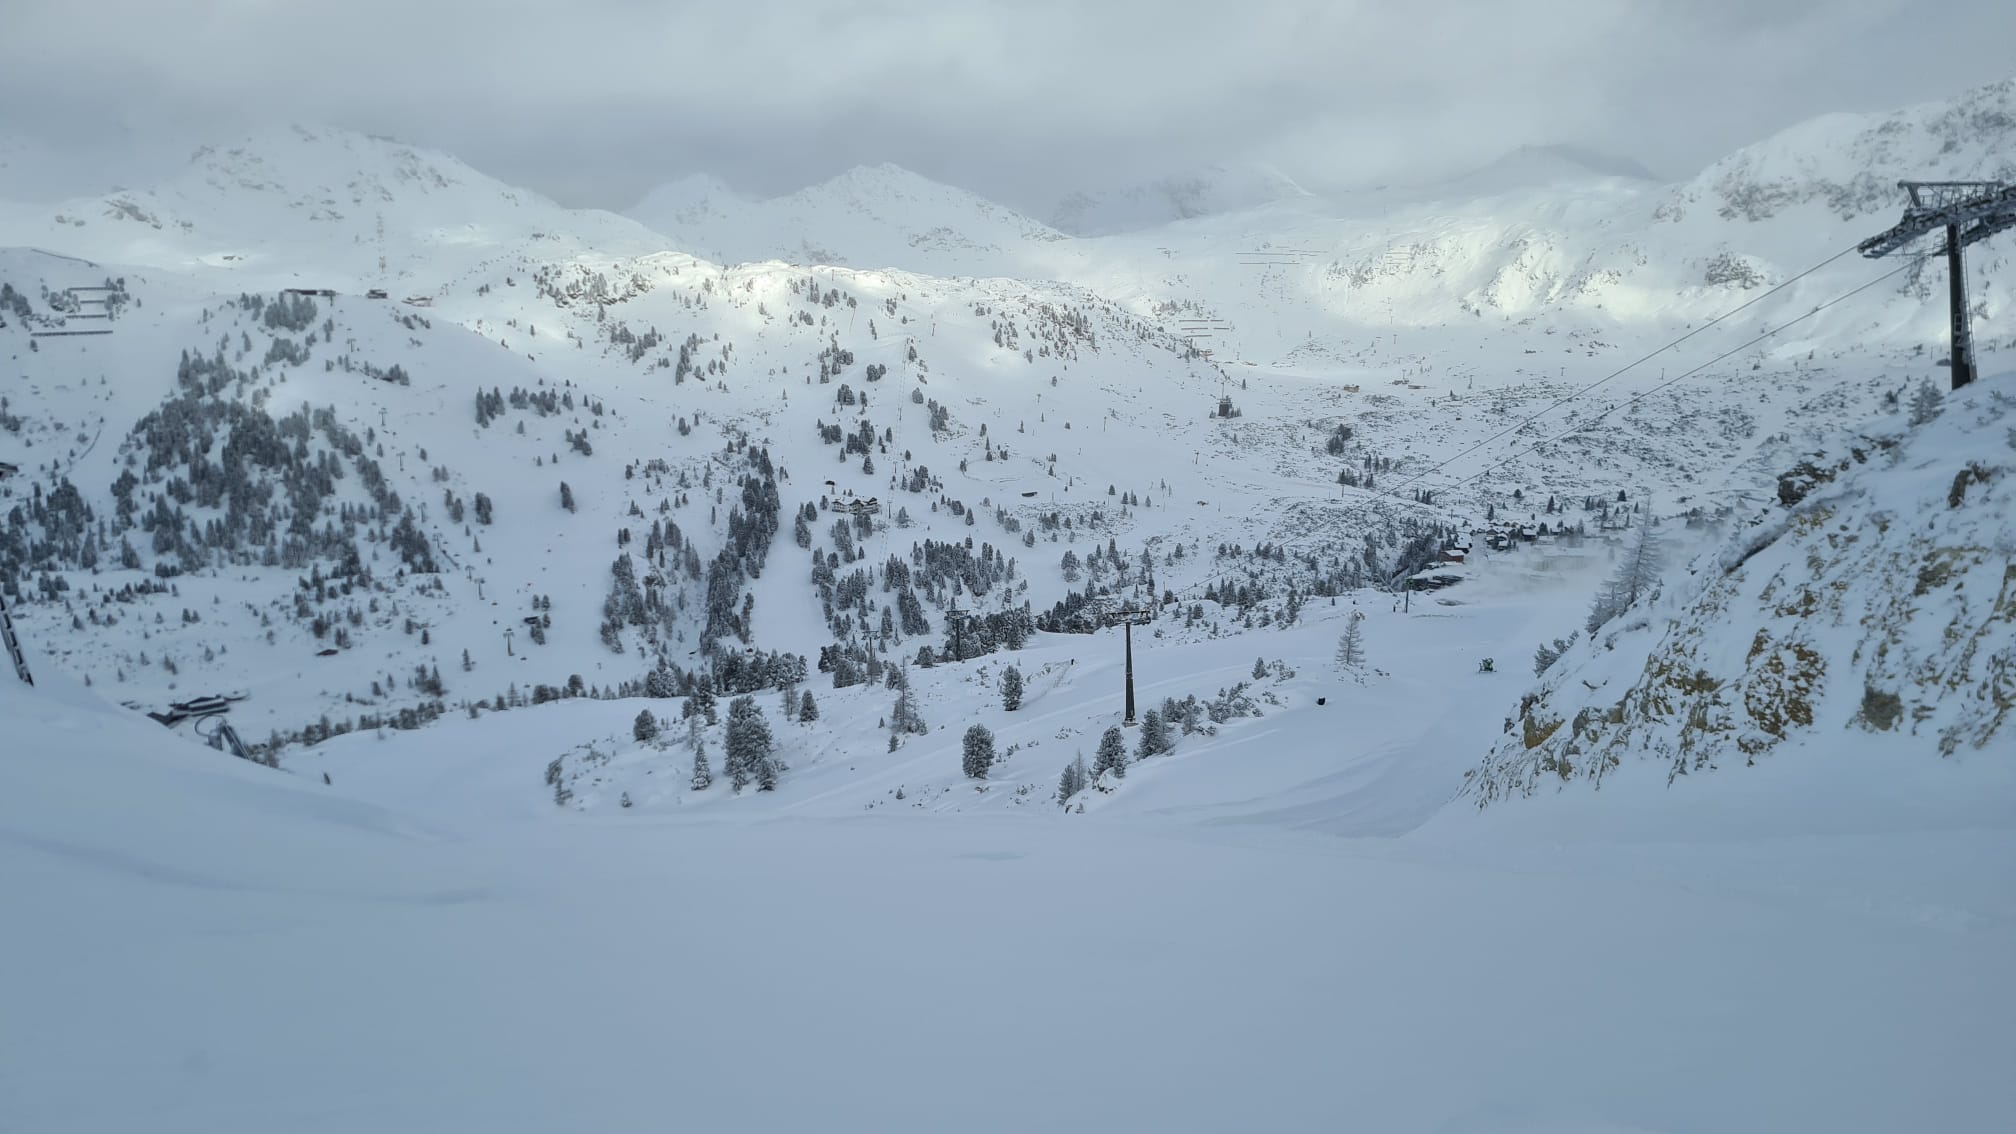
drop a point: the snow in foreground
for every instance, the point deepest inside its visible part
(197, 944)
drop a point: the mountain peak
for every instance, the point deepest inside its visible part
(300, 158)
(1851, 163)
(1550, 164)
(1203, 191)
(875, 215)
(886, 180)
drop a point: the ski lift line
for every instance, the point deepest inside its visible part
(1355, 509)
(1566, 433)
(1620, 371)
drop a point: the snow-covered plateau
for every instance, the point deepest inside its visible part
(1570, 622)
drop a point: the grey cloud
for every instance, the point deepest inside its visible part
(593, 101)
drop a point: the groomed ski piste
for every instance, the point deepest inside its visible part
(1740, 857)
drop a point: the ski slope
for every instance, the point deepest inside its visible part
(242, 949)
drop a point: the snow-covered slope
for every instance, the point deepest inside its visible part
(1871, 611)
(241, 949)
(315, 207)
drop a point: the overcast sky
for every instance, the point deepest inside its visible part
(593, 101)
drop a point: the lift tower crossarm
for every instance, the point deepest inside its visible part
(1969, 211)
(1978, 209)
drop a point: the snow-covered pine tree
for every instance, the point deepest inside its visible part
(808, 710)
(748, 742)
(1154, 735)
(1011, 689)
(1636, 574)
(1074, 779)
(977, 752)
(904, 719)
(1545, 657)
(1351, 645)
(1926, 403)
(703, 776)
(645, 728)
(1111, 755)
(700, 702)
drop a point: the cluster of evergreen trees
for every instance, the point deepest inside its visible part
(221, 481)
(544, 402)
(730, 672)
(1159, 730)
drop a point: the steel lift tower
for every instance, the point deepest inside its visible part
(1129, 617)
(1968, 211)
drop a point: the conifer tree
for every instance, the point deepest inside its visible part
(748, 742)
(1636, 574)
(904, 719)
(1074, 779)
(1111, 756)
(1545, 657)
(645, 728)
(1154, 735)
(977, 752)
(700, 702)
(1926, 403)
(808, 710)
(1011, 689)
(703, 776)
(1351, 646)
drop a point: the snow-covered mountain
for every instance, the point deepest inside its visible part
(312, 207)
(1332, 377)
(1849, 164)
(1545, 167)
(1561, 236)
(880, 216)
(1211, 190)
